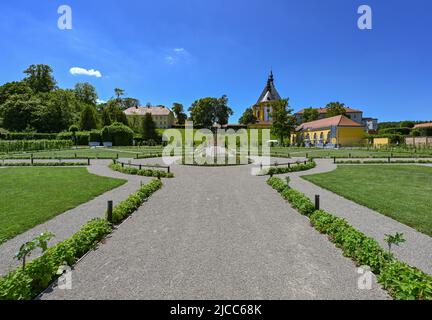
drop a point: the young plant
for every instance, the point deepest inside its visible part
(396, 239)
(27, 248)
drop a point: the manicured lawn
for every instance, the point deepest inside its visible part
(31, 196)
(403, 193)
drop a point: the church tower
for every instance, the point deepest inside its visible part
(262, 110)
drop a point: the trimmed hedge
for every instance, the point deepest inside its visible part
(95, 136)
(33, 145)
(134, 201)
(82, 137)
(402, 281)
(43, 164)
(39, 273)
(27, 136)
(118, 134)
(293, 168)
(381, 161)
(142, 172)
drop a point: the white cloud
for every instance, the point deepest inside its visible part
(177, 55)
(170, 60)
(100, 101)
(81, 71)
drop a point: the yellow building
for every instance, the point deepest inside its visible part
(161, 115)
(262, 110)
(334, 131)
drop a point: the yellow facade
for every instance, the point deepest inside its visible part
(263, 112)
(377, 142)
(348, 136)
(345, 136)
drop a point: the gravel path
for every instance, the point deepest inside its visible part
(416, 251)
(215, 233)
(68, 223)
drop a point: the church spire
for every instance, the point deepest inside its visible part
(269, 93)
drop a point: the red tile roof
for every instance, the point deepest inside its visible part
(338, 121)
(324, 110)
(155, 111)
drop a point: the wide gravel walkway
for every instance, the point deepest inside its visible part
(68, 223)
(416, 251)
(215, 233)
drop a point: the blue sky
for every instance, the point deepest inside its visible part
(181, 50)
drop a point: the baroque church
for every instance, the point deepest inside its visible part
(262, 110)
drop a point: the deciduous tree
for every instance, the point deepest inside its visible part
(39, 78)
(283, 121)
(335, 109)
(310, 114)
(248, 117)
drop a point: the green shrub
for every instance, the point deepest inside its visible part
(401, 280)
(292, 168)
(27, 136)
(39, 273)
(297, 199)
(118, 134)
(33, 145)
(399, 131)
(83, 137)
(134, 201)
(43, 164)
(141, 172)
(95, 136)
(405, 282)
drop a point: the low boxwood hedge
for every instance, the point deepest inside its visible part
(382, 161)
(43, 164)
(141, 172)
(135, 200)
(25, 284)
(402, 281)
(285, 169)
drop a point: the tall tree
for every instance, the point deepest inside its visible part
(248, 117)
(283, 121)
(18, 111)
(39, 78)
(120, 116)
(106, 117)
(148, 129)
(179, 113)
(13, 88)
(207, 111)
(335, 109)
(310, 114)
(88, 118)
(119, 93)
(86, 93)
(130, 103)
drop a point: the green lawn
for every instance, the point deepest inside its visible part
(31, 196)
(400, 192)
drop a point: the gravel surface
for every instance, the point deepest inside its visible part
(416, 251)
(215, 233)
(68, 223)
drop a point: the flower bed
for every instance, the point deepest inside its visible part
(25, 284)
(402, 281)
(287, 169)
(141, 172)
